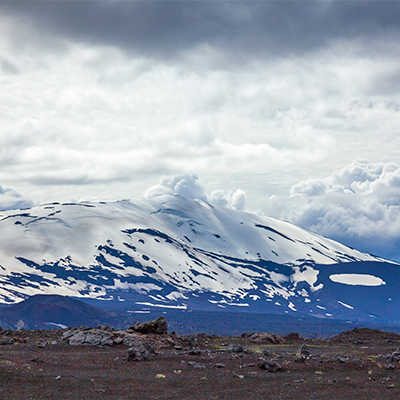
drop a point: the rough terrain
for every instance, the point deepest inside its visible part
(48, 364)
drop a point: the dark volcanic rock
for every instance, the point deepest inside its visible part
(304, 350)
(293, 337)
(9, 340)
(270, 366)
(395, 356)
(235, 348)
(194, 352)
(158, 326)
(140, 351)
(192, 341)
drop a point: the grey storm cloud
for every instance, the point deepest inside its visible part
(169, 28)
(101, 98)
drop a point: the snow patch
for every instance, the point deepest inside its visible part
(357, 279)
(61, 326)
(175, 296)
(182, 307)
(345, 305)
(304, 274)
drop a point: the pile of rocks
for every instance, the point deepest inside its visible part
(100, 336)
(144, 339)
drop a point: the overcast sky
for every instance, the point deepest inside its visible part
(287, 108)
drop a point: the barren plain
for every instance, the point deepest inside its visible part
(358, 364)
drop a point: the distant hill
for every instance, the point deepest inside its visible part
(52, 311)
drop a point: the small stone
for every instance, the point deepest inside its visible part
(395, 356)
(117, 340)
(37, 360)
(235, 348)
(220, 365)
(192, 342)
(304, 350)
(390, 367)
(270, 366)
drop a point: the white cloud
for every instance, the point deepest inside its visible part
(89, 118)
(10, 199)
(219, 198)
(184, 185)
(235, 200)
(238, 200)
(191, 187)
(358, 205)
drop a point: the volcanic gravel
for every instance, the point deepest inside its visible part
(359, 365)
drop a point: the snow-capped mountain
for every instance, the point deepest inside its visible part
(172, 252)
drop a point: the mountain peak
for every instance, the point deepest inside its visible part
(173, 252)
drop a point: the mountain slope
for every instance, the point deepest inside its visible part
(172, 252)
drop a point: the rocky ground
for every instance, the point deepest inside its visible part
(103, 363)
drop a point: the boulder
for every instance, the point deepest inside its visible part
(235, 348)
(261, 338)
(270, 366)
(140, 351)
(293, 337)
(158, 326)
(304, 350)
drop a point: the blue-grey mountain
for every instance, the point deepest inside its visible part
(171, 252)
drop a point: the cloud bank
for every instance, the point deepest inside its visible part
(100, 99)
(106, 97)
(10, 199)
(358, 205)
(191, 187)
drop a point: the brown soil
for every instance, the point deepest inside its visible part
(355, 368)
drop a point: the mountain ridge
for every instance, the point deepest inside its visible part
(171, 252)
